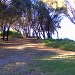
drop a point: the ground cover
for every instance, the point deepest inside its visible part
(64, 44)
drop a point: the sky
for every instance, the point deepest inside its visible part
(67, 29)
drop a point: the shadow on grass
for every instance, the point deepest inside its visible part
(31, 61)
(54, 66)
(18, 62)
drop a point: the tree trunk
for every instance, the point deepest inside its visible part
(48, 31)
(8, 33)
(3, 33)
(57, 34)
(42, 30)
(48, 34)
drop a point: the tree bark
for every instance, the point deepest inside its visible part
(8, 33)
(3, 33)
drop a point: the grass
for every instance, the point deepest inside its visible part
(13, 34)
(54, 66)
(51, 64)
(65, 44)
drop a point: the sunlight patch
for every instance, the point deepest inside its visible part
(59, 57)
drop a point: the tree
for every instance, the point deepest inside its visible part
(3, 8)
(31, 14)
(46, 21)
(70, 4)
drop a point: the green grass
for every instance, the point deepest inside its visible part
(54, 66)
(13, 34)
(65, 44)
(51, 65)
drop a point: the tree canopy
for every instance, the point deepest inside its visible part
(42, 16)
(70, 4)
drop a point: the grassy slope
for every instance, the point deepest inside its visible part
(65, 44)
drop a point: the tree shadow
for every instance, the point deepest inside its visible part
(14, 61)
(22, 60)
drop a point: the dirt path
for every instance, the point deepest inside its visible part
(16, 54)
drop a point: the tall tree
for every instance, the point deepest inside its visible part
(70, 4)
(37, 14)
(3, 8)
